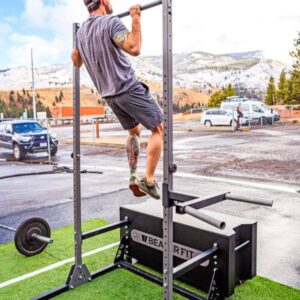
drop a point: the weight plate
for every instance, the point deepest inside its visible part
(24, 242)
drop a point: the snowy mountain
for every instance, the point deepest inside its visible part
(61, 75)
(205, 70)
(250, 70)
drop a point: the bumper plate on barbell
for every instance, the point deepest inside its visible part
(25, 243)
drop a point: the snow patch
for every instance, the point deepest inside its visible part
(196, 69)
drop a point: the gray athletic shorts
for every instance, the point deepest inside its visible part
(136, 106)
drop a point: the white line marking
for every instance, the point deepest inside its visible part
(53, 266)
(264, 186)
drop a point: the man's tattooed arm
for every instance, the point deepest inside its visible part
(131, 42)
(121, 38)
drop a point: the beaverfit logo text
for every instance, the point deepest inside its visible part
(155, 242)
(181, 251)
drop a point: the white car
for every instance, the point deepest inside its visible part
(220, 117)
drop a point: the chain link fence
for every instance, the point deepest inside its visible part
(289, 114)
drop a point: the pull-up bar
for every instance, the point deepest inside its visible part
(144, 7)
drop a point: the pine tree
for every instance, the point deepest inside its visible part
(288, 94)
(11, 96)
(217, 97)
(3, 108)
(229, 91)
(295, 86)
(61, 96)
(19, 98)
(271, 91)
(30, 113)
(295, 75)
(48, 111)
(282, 87)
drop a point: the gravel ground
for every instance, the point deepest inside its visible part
(264, 154)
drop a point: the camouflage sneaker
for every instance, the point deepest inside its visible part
(134, 186)
(151, 190)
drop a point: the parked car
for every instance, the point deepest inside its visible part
(252, 109)
(24, 136)
(217, 117)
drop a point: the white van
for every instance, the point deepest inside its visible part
(252, 109)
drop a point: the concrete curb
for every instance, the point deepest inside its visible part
(118, 142)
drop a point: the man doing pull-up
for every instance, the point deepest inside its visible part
(101, 41)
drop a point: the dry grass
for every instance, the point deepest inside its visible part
(89, 98)
(47, 96)
(181, 95)
(187, 117)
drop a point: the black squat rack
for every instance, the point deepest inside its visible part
(185, 204)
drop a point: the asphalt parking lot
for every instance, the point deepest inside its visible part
(262, 163)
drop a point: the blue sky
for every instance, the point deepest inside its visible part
(11, 14)
(214, 26)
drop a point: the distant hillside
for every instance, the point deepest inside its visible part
(250, 70)
(200, 70)
(196, 76)
(63, 96)
(55, 96)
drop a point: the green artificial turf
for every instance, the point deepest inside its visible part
(119, 284)
(62, 248)
(261, 288)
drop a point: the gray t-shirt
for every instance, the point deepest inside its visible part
(105, 62)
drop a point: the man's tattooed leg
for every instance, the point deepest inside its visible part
(133, 151)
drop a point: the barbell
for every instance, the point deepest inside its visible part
(32, 236)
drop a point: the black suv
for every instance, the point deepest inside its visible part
(24, 136)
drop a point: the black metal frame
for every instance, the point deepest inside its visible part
(185, 204)
(177, 289)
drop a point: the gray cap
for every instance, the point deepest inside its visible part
(90, 4)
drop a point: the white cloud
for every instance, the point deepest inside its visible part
(44, 51)
(55, 19)
(212, 26)
(10, 20)
(225, 26)
(36, 13)
(5, 29)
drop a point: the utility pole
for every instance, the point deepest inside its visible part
(33, 87)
